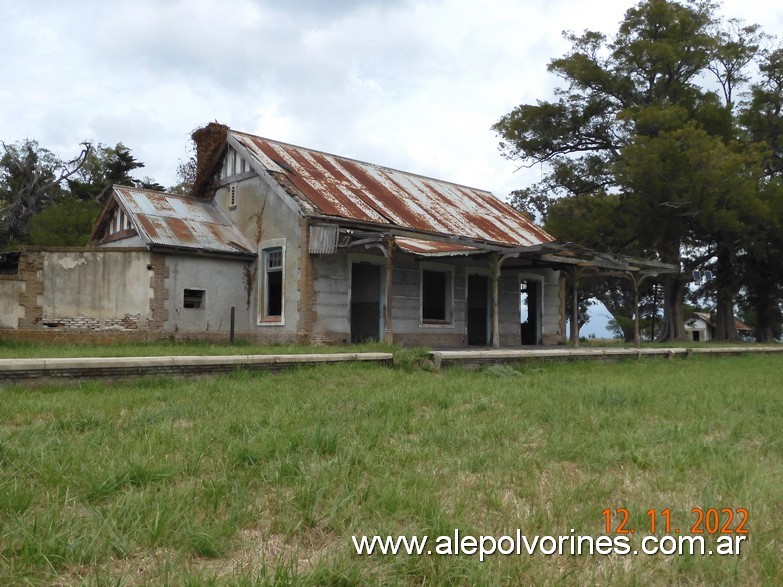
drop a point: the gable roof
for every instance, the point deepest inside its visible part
(707, 318)
(175, 221)
(330, 186)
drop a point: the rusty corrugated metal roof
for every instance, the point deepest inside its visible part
(171, 220)
(430, 248)
(329, 185)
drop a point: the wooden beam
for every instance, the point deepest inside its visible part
(575, 307)
(388, 335)
(495, 262)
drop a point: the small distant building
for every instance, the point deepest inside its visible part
(701, 328)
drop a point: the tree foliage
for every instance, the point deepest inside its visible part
(31, 178)
(637, 123)
(47, 201)
(68, 222)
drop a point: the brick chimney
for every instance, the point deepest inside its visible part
(209, 141)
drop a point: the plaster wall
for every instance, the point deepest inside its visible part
(269, 220)
(223, 284)
(10, 308)
(100, 285)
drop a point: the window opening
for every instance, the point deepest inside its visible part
(434, 296)
(274, 282)
(194, 298)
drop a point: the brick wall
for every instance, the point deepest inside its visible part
(160, 272)
(306, 285)
(31, 272)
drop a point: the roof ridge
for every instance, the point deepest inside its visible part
(139, 189)
(361, 162)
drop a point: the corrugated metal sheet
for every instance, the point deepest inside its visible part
(323, 239)
(429, 248)
(329, 185)
(170, 220)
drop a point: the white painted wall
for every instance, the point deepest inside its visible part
(10, 308)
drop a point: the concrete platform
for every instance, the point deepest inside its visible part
(103, 367)
(489, 356)
(117, 367)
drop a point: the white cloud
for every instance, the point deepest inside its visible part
(415, 85)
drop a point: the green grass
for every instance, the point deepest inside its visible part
(34, 350)
(262, 478)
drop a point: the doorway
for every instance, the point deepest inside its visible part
(478, 310)
(365, 302)
(530, 311)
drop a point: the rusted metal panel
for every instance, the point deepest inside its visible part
(354, 190)
(429, 248)
(170, 220)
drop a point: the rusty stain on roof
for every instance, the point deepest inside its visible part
(431, 248)
(329, 185)
(171, 220)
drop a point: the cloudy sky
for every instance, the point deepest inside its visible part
(411, 84)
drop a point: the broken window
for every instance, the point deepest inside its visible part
(436, 296)
(273, 282)
(194, 298)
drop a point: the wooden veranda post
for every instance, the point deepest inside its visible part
(495, 268)
(575, 307)
(637, 337)
(388, 335)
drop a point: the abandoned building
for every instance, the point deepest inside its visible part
(282, 244)
(700, 327)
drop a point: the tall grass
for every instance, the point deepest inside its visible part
(262, 478)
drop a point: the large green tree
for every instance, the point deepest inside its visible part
(635, 118)
(761, 257)
(47, 201)
(31, 178)
(105, 167)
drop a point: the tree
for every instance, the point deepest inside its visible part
(104, 167)
(67, 222)
(46, 201)
(186, 174)
(31, 178)
(762, 256)
(635, 120)
(596, 221)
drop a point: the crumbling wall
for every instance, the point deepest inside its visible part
(95, 289)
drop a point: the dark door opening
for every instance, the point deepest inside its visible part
(530, 311)
(478, 310)
(365, 302)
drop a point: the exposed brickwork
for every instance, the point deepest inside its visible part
(127, 322)
(81, 322)
(31, 273)
(160, 293)
(306, 286)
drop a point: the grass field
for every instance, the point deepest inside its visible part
(262, 478)
(34, 350)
